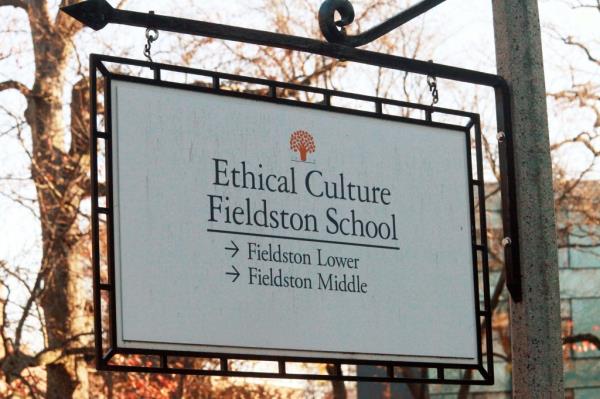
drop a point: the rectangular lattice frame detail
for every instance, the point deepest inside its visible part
(112, 358)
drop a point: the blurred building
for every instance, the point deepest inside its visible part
(579, 263)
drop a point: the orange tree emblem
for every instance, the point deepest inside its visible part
(303, 143)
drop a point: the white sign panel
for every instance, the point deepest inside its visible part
(254, 227)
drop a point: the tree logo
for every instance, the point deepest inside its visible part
(303, 143)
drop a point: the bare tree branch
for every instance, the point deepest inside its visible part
(16, 361)
(15, 3)
(571, 42)
(39, 18)
(583, 4)
(28, 305)
(13, 84)
(4, 298)
(584, 138)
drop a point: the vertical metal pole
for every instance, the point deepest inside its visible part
(535, 321)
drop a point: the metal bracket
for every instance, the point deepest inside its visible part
(335, 32)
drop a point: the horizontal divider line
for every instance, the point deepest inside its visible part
(242, 233)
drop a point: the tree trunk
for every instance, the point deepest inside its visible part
(338, 388)
(303, 153)
(3, 300)
(60, 178)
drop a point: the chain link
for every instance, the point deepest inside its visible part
(432, 83)
(151, 36)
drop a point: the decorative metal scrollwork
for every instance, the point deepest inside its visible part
(328, 26)
(335, 31)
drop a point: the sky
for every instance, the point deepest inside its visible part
(462, 36)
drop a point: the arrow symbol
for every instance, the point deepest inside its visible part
(234, 248)
(236, 274)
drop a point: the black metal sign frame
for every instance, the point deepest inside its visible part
(113, 358)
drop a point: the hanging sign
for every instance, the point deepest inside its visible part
(263, 226)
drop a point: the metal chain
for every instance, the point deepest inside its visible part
(432, 83)
(151, 36)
